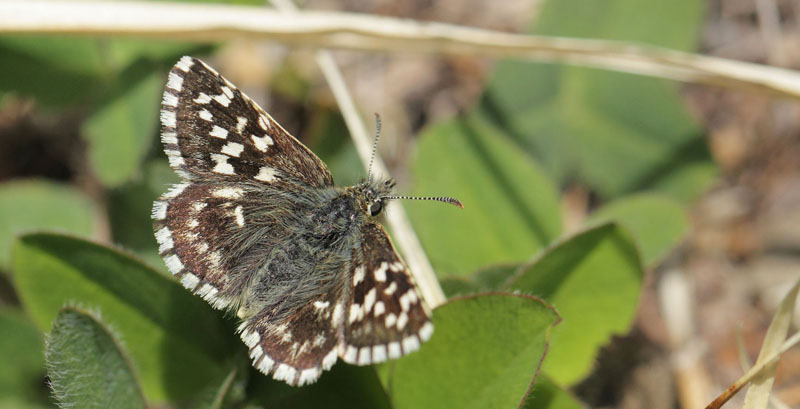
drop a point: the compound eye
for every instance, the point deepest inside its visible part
(375, 208)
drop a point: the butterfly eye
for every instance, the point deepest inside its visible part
(375, 208)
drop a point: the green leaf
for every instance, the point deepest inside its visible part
(87, 366)
(22, 372)
(57, 71)
(176, 341)
(616, 132)
(33, 204)
(548, 395)
(121, 130)
(593, 278)
(479, 165)
(656, 222)
(345, 386)
(485, 353)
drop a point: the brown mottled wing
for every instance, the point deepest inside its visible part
(213, 131)
(386, 316)
(296, 346)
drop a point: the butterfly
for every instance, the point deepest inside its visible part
(257, 227)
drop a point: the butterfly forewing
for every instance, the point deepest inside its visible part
(213, 131)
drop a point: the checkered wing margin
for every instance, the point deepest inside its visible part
(213, 131)
(386, 316)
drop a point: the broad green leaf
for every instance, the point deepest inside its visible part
(485, 353)
(345, 387)
(87, 366)
(617, 132)
(593, 278)
(757, 396)
(491, 278)
(22, 372)
(57, 71)
(656, 222)
(511, 208)
(34, 204)
(548, 395)
(223, 390)
(176, 341)
(123, 127)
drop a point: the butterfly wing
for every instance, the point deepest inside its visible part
(212, 130)
(385, 317)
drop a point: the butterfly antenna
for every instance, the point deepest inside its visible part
(451, 200)
(374, 145)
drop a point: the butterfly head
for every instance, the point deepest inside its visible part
(372, 195)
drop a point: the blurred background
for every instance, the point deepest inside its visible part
(533, 150)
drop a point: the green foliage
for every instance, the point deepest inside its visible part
(87, 366)
(27, 205)
(22, 372)
(488, 348)
(616, 132)
(593, 279)
(510, 205)
(176, 341)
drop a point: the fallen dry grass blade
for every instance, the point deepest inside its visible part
(761, 375)
(214, 23)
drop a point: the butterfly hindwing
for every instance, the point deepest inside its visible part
(212, 130)
(386, 316)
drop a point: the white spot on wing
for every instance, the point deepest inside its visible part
(174, 81)
(265, 365)
(169, 138)
(378, 353)
(173, 263)
(380, 308)
(256, 353)
(175, 190)
(164, 238)
(394, 350)
(227, 91)
(380, 273)
(168, 118)
(228, 193)
(222, 166)
(262, 143)
(329, 359)
(266, 174)
(185, 63)
(358, 275)
(308, 376)
(203, 98)
(364, 356)
(284, 373)
(402, 320)
(356, 313)
(159, 210)
(351, 355)
(251, 338)
(205, 115)
(391, 288)
(321, 305)
(241, 122)
(222, 99)
(390, 320)
(263, 122)
(190, 281)
(426, 331)
(170, 99)
(239, 216)
(410, 344)
(233, 149)
(338, 315)
(369, 300)
(218, 132)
